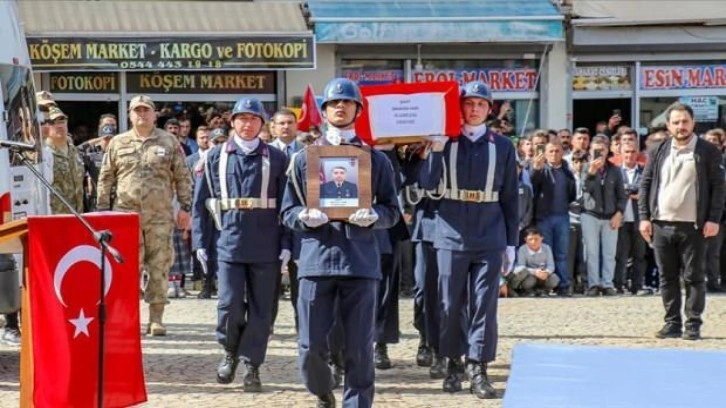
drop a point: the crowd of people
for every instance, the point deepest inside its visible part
(551, 213)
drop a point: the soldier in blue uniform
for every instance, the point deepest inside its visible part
(339, 261)
(241, 188)
(476, 230)
(339, 187)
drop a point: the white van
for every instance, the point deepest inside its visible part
(21, 194)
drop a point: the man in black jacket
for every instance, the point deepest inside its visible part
(681, 202)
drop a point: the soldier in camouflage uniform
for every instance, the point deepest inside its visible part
(146, 165)
(68, 168)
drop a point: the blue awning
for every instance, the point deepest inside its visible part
(435, 21)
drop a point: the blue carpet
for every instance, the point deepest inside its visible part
(560, 376)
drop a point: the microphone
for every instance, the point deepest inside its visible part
(17, 146)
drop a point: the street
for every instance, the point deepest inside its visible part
(180, 369)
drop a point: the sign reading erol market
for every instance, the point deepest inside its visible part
(184, 53)
(498, 79)
(201, 83)
(683, 77)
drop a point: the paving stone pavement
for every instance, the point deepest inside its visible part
(180, 368)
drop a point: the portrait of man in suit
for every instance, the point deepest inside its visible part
(339, 187)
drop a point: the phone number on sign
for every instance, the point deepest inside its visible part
(169, 64)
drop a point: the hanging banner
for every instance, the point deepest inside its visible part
(179, 53)
(682, 77)
(601, 78)
(498, 79)
(201, 83)
(374, 76)
(406, 113)
(705, 108)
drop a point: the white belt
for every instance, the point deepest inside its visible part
(473, 196)
(246, 203)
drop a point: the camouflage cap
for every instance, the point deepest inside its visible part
(44, 98)
(55, 113)
(141, 100)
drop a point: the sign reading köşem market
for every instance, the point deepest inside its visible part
(183, 53)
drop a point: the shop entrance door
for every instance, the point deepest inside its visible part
(587, 112)
(83, 117)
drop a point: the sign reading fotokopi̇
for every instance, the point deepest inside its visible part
(183, 53)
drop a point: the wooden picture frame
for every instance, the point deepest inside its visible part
(338, 179)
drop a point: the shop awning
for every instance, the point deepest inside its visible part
(435, 21)
(45, 18)
(593, 13)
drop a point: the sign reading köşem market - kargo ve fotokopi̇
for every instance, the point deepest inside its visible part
(183, 53)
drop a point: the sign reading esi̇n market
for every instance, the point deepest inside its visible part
(182, 53)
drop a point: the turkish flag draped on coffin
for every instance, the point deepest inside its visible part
(310, 114)
(63, 285)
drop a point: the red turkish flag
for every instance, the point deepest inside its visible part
(310, 114)
(63, 285)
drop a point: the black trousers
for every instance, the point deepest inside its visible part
(294, 284)
(680, 246)
(630, 245)
(712, 260)
(387, 330)
(576, 268)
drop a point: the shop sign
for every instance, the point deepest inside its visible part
(601, 78)
(498, 79)
(183, 53)
(374, 76)
(683, 77)
(201, 83)
(84, 82)
(705, 108)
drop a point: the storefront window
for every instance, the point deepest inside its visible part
(709, 111)
(373, 72)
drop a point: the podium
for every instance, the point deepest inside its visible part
(14, 240)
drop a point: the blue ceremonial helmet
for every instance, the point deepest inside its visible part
(250, 105)
(342, 89)
(476, 89)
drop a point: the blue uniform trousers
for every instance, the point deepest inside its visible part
(316, 308)
(469, 278)
(387, 302)
(426, 293)
(244, 311)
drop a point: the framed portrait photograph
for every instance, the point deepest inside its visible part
(338, 180)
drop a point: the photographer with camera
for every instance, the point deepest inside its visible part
(630, 243)
(603, 205)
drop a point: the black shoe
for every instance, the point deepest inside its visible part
(669, 332)
(424, 357)
(227, 367)
(381, 357)
(338, 373)
(691, 334)
(564, 292)
(480, 385)
(593, 291)
(327, 401)
(206, 292)
(438, 368)
(252, 381)
(609, 292)
(454, 373)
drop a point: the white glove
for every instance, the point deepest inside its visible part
(285, 255)
(202, 255)
(363, 218)
(313, 217)
(438, 143)
(508, 264)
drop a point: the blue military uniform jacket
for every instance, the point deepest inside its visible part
(332, 190)
(339, 248)
(247, 235)
(471, 226)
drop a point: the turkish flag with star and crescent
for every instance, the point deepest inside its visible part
(63, 286)
(310, 114)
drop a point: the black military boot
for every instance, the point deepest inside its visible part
(327, 401)
(227, 367)
(206, 292)
(424, 357)
(337, 366)
(480, 385)
(252, 381)
(381, 357)
(438, 368)
(454, 373)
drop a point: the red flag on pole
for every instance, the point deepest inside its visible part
(63, 290)
(310, 114)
